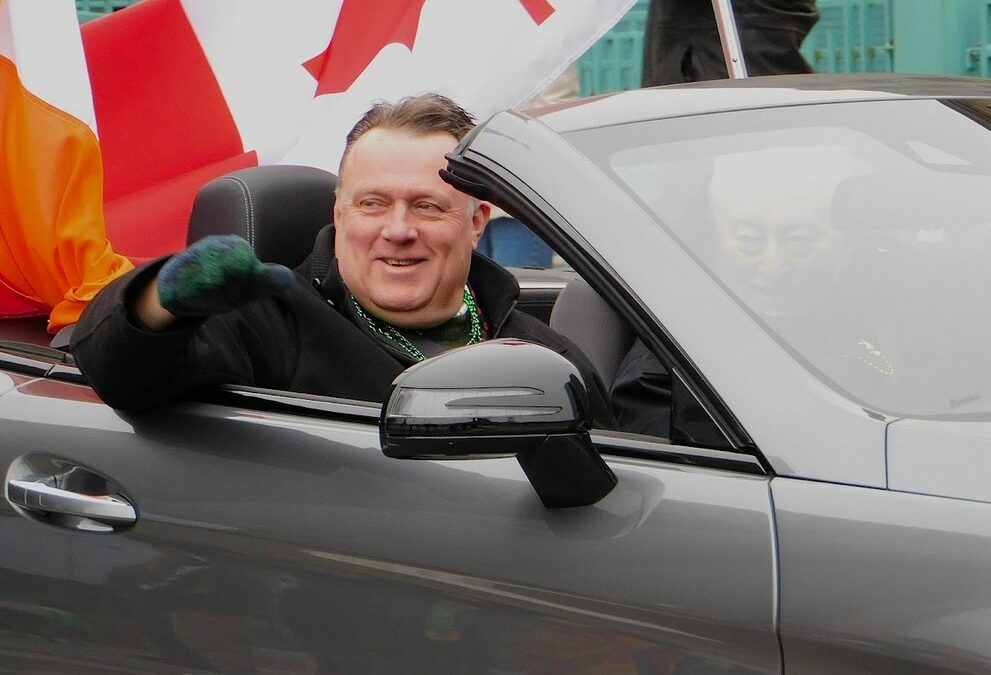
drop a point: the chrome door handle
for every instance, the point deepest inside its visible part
(40, 497)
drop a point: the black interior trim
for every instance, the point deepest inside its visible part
(635, 446)
(26, 365)
(66, 372)
(31, 359)
(309, 405)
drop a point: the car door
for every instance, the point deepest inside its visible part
(880, 522)
(270, 534)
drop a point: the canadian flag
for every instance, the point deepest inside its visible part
(183, 91)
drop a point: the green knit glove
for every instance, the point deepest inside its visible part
(216, 274)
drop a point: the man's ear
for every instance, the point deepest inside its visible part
(479, 219)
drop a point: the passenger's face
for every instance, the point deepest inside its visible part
(404, 237)
(778, 249)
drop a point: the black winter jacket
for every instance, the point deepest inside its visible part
(306, 340)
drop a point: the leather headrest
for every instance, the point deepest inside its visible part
(278, 209)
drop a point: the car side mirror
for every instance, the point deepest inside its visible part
(496, 399)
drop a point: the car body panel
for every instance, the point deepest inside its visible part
(878, 581)
(714, 96)
(9, 381)
(941, 457)
(258, 530)
(642, 104)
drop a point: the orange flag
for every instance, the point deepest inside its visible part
(54, 253)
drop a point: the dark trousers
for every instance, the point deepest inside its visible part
(681, 41)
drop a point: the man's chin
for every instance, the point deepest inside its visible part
(412, 314)
(397, 306)
(396, 295)
(396, 309)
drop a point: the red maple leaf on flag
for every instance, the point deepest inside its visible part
(363, 29)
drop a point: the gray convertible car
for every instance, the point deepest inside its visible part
(800, 265)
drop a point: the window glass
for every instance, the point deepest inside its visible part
(856, 234)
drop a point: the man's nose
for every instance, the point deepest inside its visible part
(771, 266)
(399, 226)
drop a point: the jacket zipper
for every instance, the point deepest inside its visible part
(505, 318)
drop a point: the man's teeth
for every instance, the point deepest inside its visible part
(401, 263)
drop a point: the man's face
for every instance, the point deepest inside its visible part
(778, 248)
(404, 237)
(780, 255)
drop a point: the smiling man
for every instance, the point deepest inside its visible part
(393, 281)
(404, 236)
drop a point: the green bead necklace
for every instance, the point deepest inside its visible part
(390, 332)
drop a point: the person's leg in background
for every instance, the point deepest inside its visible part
(681, 40)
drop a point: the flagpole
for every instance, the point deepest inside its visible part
(729, 36)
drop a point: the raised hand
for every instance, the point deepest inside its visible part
(216, 274)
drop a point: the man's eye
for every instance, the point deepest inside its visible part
(748, 239)
(370, 204)
(801, 243)
(427, 207)
(749, 244)
(801, 249)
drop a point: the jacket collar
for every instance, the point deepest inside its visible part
(495, 288)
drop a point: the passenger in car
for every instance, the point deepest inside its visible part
(394, 280)
(640, 393)
(777, 249)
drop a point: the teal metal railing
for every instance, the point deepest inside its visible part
(93, 9)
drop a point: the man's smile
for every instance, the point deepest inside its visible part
(401, 262)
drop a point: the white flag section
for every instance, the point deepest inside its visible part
(42, 38)
(184, 91)
(485, 54)
(256, 51)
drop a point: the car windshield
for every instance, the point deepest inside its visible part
(856, 234)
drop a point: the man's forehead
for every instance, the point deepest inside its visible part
(388, 157)
(393, 144)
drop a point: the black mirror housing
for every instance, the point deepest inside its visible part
(501, 398)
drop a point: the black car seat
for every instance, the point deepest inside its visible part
(583, 317)
(278, 209)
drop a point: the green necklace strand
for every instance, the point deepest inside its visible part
(393, 334)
